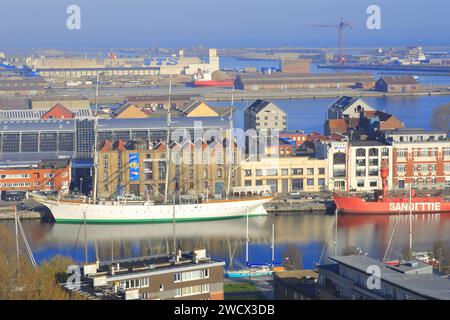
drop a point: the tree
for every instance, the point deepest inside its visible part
(292, 258)
(441, 118)
(30, 284)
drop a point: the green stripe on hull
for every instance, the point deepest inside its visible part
(137, 221)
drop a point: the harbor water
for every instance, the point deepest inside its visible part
(304, 239)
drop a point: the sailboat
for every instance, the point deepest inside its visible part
(255, 270)
(97, 211)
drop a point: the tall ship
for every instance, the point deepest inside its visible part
(93, 210)
(383, 203)
(215, 79)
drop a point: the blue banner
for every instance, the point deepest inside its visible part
(133, 160)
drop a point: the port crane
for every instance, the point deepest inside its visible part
(341, 26)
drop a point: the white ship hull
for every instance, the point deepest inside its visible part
(76, 212)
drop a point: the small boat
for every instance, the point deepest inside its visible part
(250, 272)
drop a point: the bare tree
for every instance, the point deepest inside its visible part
(441, 118)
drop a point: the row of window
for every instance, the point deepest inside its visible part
(192, 290)
(191, 275)
(422, 152)
(296, 184)
(373, 152)
(284, 172)
(135, 283)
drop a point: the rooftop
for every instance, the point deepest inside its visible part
(412, 276)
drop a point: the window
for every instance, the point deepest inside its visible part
(272, 172)
(401, 168)
(360, 184)
(297, 172)
(321, 171)
(248, 172)
(284, 172)
(360, 172)
(310, 182)
(161, 287)
(321, 182)
(360, 152)
(259, 172)
(219, 172)
(248, 183)
(447, 151)
(447, 167)
(373, 184)
(310, 171)
(385, 152)
(401, 153)
(401, 184)
(373, 152)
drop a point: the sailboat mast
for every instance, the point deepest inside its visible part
(95, 156)
(246, 243)
(230, 141)
(410, 220)
(17, 242)
(273, 245)
(166, 186)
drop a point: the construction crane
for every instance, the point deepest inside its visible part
(341, 26)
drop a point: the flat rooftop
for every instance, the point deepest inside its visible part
(411, 276)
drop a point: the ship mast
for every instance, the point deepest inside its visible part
(230, 118)
(95, 156)
(166, 187)
(410, 220)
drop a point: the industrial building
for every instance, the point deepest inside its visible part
(75, 68)
(397, 84)
(295, 66)
(47, 102)
(184, 275)
(284, 81)
(22, 87)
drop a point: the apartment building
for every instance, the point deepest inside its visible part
(348, 278)
(420, 158)
(355, 165)
(184, 275)
(264, 115)
(286, 174)
(49, 176)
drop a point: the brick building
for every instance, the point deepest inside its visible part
(199, 167)
(49, 176)
(397, 84)
(420, 157)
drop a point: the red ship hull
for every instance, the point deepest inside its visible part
(214, 83)
(419, 205)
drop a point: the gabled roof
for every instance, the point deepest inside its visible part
(119, 145)
(135, 112)
(337, 125)
(399, 80)
(58, 111)
(106, 146)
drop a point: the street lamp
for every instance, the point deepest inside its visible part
(81, 185)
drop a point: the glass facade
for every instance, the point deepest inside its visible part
(29, 142)
(10, 142)
(47, 141)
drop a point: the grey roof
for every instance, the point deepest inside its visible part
(368, 143)
(32, 114)
(37, 125)
(259, 105)
(427, 285)
(344, 102)
(160, 123)
(26, 158)
(399, 80)
(414, 131)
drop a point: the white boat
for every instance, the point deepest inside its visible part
(72, 211)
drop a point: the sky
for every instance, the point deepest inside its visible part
(221, 23)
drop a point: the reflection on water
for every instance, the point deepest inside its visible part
(310, 235)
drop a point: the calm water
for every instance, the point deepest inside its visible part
(310, 235)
